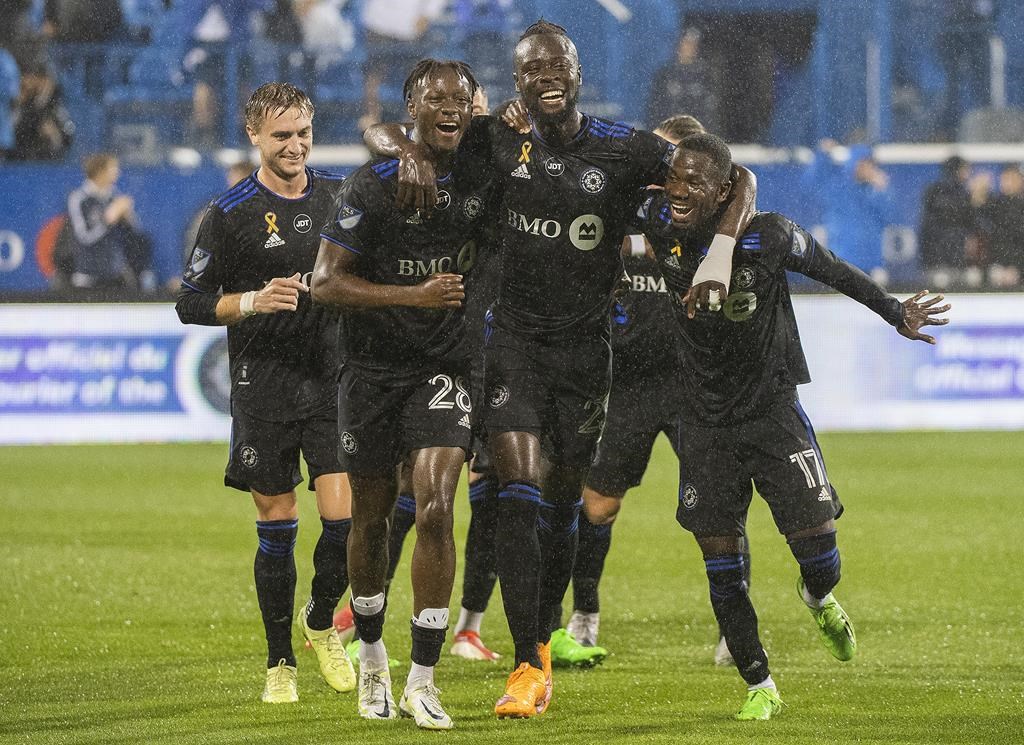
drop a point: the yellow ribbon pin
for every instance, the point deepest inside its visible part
(271, 219)
(524, 157)
(677, 250)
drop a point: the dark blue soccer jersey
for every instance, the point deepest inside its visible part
(283, 365)
(395, 247)
(740, 361)
(563, 213)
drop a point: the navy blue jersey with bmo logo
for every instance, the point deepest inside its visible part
(739, 362)
(563, 213)
(644, 339)
(395, 247)
(283, 365)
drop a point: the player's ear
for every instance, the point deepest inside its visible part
(579, 74)
(724, 190)
(410, 106)
(516, 78)
(253, 139)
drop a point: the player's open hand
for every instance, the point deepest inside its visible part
(440, 291)
(917, 314)
(417, 183)
(280, 293)
(704, 295)
(515, 117)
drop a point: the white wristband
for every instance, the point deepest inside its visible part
(717, 265)
(637, 247)
(245, 304)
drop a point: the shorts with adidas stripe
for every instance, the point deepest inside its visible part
(777, 452)
(379, 423)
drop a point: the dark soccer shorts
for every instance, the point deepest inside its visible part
(557, 392)
(265, 455)
(639, 407)
(378, 425)
(778, 452)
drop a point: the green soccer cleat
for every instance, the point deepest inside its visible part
(836, 629)
(282, 685)
(761, 703)
(335, 665)
(567, 652)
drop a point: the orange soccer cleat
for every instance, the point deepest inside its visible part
(544, 652)
(525, 694)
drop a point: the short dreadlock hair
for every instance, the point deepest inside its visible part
(427, 67)
(680, 127)
(544, 27)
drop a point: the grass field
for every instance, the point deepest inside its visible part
(127, 612)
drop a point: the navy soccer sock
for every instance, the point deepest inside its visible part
(818, 556)
(595, 541)
(274, 572)
(517, 548)
(736, 616)
(330, 573)
(558, 525)
(480, 572)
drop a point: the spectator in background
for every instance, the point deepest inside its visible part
(18, 33)
(1002, 223)
(483, 29)
(83, 20)
(948, 229)
(963, 49)
(395, 41)
(685, 84)
(857, 204)
(10, 81)
(111, 253)
(44, 129)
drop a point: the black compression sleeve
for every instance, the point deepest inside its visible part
(197, 307)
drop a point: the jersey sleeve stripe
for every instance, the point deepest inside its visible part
(233, 192)
(192, 286)
(238, 200)
(336, 242)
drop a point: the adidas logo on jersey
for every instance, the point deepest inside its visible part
(825, 495)
(274, 241)
(464, 422)
(672, 261)
(522, 172)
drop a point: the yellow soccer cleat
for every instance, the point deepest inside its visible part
(282, 685)
(524, 694)
(335, 664)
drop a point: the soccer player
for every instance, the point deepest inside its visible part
(249, 271)
(645, 368)
(742, 417)
(569, 187)
(403, 391)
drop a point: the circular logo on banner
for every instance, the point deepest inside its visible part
(249, 456)
(302, 223)
(689, 497)
(472, 207)
(593, 180)
(348, 442)
(444, 200)
(499, 396)
(743, 278)
(554, 167)
(215, 375)
(586, 232)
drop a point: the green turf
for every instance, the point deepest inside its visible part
(127, 611)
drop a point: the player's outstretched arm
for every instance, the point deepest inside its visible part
(208, 309)
(417, 182)
(918, 314)
(334, 283)
(711, 280)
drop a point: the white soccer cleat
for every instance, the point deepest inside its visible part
(282, 685)
(424, 705)
(583, 627)
(375, 699)
(723, 657)
(469, 646)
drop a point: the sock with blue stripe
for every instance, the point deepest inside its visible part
(274, 572)
(595, 541)
(480, 574)
(402, 521)
(517, 548)
(330, 573)
(558, 529)
(818, 556)
(736, 616)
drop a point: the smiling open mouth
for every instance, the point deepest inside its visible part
(449, 128)
(681, 211)
(552, 96)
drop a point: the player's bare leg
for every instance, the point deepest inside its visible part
(520, 467)
(600, 511)
(816, 551)
(274, 573)
(330, 580)
(373, 499)
(435, 475)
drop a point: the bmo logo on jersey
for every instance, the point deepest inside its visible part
(647, 283)
(417, 268)
(586, 232)
(534, 226)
